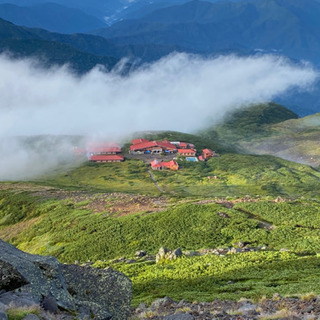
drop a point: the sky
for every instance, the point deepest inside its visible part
(180, 92)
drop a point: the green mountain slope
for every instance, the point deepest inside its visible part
(296, 140)
(271, 129)
(24, 42)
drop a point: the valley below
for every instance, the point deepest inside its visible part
(233, 237)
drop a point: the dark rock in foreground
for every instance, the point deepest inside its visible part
(104, 289)
(85, 292)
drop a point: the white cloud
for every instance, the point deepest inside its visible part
(179, 92)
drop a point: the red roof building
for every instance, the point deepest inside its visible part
(183, 145)
(103, 148)
(186, 145)
(157, 165)
(137, 141)
(106, 158)
(153, 147)
(187, 152)
(207, 153)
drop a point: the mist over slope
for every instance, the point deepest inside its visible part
(179, 92)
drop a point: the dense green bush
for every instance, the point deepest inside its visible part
(205, 278)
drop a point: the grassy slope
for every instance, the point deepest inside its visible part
(39, 223)
(70, 232)
(296, 139)
(230, 175)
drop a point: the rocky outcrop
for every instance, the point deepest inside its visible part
(165, 254)
(27, 279)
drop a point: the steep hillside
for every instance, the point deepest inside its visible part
(296, 140)
(50, 16)
(248, 122)
(271, 129)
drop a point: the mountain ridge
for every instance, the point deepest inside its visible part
(50, 16)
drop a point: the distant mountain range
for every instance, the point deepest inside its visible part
(81, 51)
(147, 30)
(288, 27)
(109, 11)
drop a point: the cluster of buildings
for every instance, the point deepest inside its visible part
(111, 152)
(185, 149)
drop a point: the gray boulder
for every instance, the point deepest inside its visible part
(165, 254)
(19, 298)
(234, 250)
(84, 291)
(31, 316)
(162, 254)
(41, 274)
(3, 307)
(140, 253)
(162, 302)
(3, 315)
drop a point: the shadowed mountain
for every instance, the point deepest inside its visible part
(50, 16)
(64, 47)
(97, 8)
(22, 42)
(289, 27)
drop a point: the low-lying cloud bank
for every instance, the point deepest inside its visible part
(179, 92)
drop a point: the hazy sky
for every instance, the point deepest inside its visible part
(180, 92)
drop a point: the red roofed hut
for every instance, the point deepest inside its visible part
(106, 158)
(157, 165)
(137, 141)
(207, 153)
(187, 152)
(153, 147)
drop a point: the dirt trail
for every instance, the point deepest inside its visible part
(155, 181)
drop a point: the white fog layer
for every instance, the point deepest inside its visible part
(179, 92)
